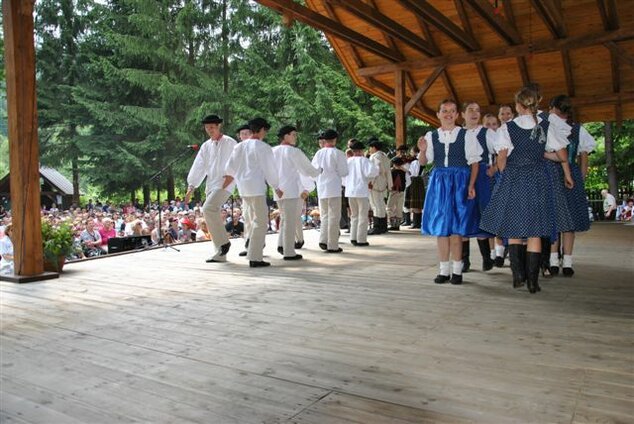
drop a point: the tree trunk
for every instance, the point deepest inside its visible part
(225, 62)
(171, 193)
(75, 166)
(610, 163)
(133, 196)
(146, 196)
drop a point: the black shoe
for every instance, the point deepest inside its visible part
(441, 279)
(293, 258)
(323, 246)
(533, 264)
(365, 243)
(456, 279)
(299, 244)
(339, 250)
(353, 242)
(499, 261)
(280, 250)
(224, 249)
(554, 270)
(568, 272)
(487, 264)
(258, 264)
(243, 253)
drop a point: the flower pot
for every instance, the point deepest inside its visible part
(54, 267)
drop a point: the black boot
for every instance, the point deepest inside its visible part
(384, 225)
(534, 262)
(485, 251)
(517, 265)
(524, 261)
(394, 224)
(407, 220)
(376, 227)
(544, 262)
(416, 222)
(466, 263)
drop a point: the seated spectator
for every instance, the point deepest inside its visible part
(137, 228)
(203, 233)
(91, 240)
(626, 213)
(6, 251)
(235, 228)
(107, 232)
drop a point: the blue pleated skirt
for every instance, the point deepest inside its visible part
(447, 210)
(521, 204)
(577, 201)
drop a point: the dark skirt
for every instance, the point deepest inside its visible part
(521, 204)
(484, 187)
(415, 193)
(577, 201)
(447, 210)
(563, 219)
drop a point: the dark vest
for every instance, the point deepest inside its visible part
(456, 150)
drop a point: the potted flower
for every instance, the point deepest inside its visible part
(57, 241)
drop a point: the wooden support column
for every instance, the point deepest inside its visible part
(24, 150)
(399, 108)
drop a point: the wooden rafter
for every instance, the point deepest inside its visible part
(616, 74)
(624, 56)
(551, 15)
(570, 84)
(321, 22)
(440, 21)
(523, 67)
(609, 15)
(499, 24)
(423, 88)
(385, 24)
(544, 46)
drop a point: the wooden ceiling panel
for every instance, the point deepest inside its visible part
(482, 64)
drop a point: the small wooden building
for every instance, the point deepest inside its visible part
(54, 188)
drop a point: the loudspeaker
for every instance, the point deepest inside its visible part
(123, 244)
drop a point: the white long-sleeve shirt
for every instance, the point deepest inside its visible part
(587, 143)
(210, 162)
(291, 164)
(360, 171)
(335, 166)
(472, 135)
(383, 181)
(472, 149)
(252, 165)
(556, 138)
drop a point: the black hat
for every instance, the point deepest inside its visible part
(286, 129)
(211, 119)
(329, 134)
(243, 127)
(374, 142)
(357, 145)
(256, 124)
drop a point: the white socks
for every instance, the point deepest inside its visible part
(567, 261)
(499, 251)
(554, 259)
(444, 268)
(493, 253)
(457, 267)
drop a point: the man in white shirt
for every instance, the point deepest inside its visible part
(334, 165)
(609, 205)
(292, 164)
(210, 163)
(252, 165)
(360, 172)
(379, 187)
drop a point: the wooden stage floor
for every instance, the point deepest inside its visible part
(361, 337)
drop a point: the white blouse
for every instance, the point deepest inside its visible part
(586, 142)
(473, 151)
(472, 135)
(556, 139)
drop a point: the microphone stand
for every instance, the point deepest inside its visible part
(157, 177)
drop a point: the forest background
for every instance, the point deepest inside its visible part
(123, 84)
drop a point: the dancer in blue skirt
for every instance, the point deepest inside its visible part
(581, 144)
(485, 180)
(450, 211)
(521, 205)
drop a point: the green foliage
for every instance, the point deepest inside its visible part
(623, 140)
(57, 240)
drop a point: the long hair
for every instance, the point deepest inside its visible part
(529, 98)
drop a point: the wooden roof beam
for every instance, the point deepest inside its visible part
(322, 23)
(609, 15)
(440, 21)
(498, 23)
(423, 88)
(624, 55)
(543, 46)
(387, 25)
(570, 84)
(551, 15)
